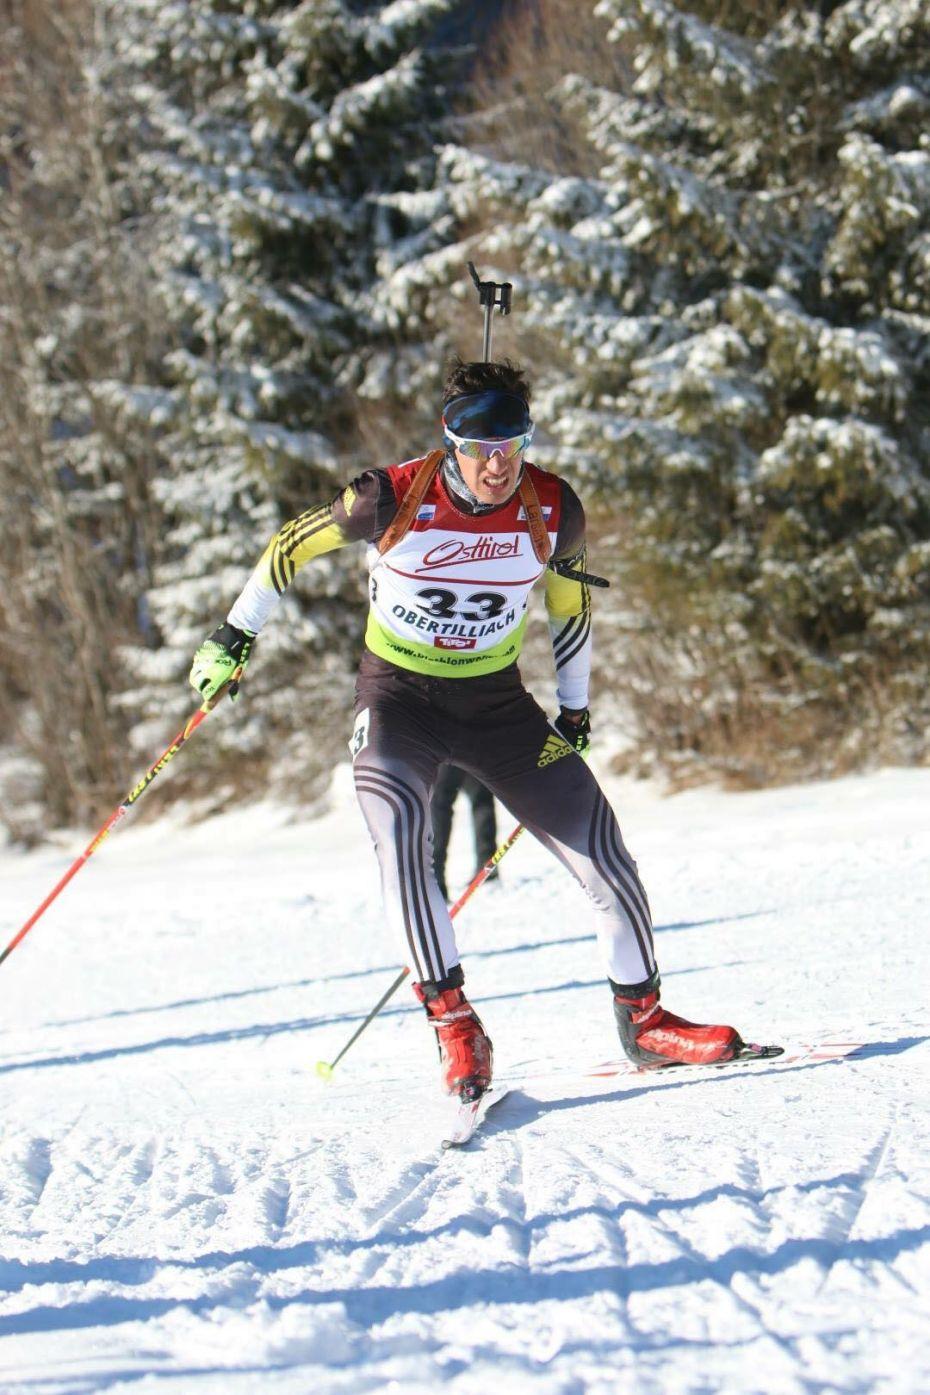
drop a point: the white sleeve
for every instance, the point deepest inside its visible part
(571, 648)
(254, 604)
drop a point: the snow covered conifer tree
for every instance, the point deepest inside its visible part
(724, 259)
(269, 132)
(79, 329)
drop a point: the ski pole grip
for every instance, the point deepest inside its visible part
(231, 686)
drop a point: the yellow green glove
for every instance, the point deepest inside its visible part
(220, 662)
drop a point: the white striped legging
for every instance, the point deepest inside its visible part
(407, 725)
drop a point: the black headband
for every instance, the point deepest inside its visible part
(487, 416)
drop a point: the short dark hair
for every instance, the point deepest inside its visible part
(463, 379)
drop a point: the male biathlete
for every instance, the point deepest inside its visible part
(456, 541)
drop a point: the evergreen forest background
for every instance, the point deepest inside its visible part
(232, 267)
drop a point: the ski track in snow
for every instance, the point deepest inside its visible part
(185, 1206)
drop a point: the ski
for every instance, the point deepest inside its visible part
(748, 1051)
(471, 1113)
(811, 1051)
(469, 1116)
(778, 1056)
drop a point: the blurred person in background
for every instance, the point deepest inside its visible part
(450, 782)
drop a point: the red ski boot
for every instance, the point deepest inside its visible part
(653, 1037)
(465, 1051)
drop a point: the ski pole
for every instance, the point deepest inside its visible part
(484, 872)
(326, 1068)
(134, 795)
(490, 294)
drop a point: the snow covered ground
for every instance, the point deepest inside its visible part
(185, 1207)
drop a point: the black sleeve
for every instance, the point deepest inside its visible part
(365, 507)
(569, 540)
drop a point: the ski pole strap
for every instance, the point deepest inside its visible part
(399, 526)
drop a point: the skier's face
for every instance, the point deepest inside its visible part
(492, 481)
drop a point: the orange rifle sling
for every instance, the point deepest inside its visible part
(535, 521)
(399, 526)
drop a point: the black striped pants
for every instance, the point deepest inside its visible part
(407, 725)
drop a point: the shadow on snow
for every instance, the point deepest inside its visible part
(235, 994)
(506, 1286)
(129, 1270)
(262, 1030)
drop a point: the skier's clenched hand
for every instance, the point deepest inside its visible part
(220, 662)
(574, 725)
